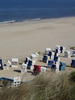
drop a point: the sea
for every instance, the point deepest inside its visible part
(21, 10)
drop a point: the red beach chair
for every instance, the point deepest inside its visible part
(37, 69)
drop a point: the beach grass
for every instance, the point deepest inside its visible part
(47, 86)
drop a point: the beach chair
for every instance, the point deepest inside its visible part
(1, 64)
(16, 81)
(45, 58)
(62, 66)
(56, 54)
(43, 69)
(47, 50)
(5, 67)
(24, 68)
(57, 66)
(29, 63)
(53, 67)
(52, 56)
(67, 54)
(57, 51)
(9, 63)
(73, 53)
(37, 69)
(73, 63)
(34, 56)
(50, 63)
(14, 62)
(61, 48)
(56, 58)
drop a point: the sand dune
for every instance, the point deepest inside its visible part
(22, 38)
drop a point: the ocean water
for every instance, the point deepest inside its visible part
(20, 10)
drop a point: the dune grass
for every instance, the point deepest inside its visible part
(51, 86)
(47, 86)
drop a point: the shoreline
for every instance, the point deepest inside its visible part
(32, 20)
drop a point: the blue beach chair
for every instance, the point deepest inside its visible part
(50, 63)
(62, 66)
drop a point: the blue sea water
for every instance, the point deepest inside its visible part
(19, 10)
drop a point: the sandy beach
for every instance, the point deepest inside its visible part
(21, 38)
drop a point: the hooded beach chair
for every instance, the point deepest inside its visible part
(14, 62)
(50, 63)
(47, 50)
(73, 63)
(16, 81)
(1, 63)
(45, 58)
(67, 53)
(37, 69)
(62, 66)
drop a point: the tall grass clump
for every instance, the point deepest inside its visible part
(51, 86)
(72, 76)
(15, 93)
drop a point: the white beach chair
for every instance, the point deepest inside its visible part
(9, 63)
(58, 47)
(64, 49)
(43, 69)
(33, 56)
(14, 62)
(5, 67)
(47, 50)
(57, 66)
(25, 65)
(67, 53)
(24, 68)
(16, 81)
(52, 57)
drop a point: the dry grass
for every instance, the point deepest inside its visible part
(47, 86)
(51, 86)
(16, 93)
